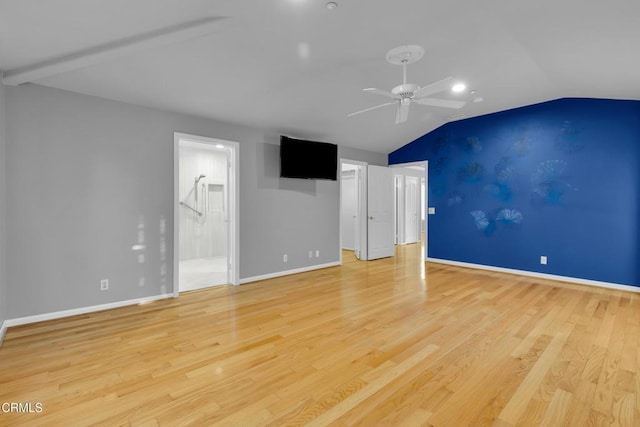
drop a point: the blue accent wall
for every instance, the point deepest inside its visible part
(560, 178)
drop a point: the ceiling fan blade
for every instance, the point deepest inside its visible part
(436, 87)
(403, 112)
(445, 103)
(372, 108)
(379, 92)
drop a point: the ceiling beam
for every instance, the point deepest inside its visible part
(109, 51)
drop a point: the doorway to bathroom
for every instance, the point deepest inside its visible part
(205, 212)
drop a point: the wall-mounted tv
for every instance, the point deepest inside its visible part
(308, 159)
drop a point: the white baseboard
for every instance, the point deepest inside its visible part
(83, 310)
(288, 272)
(568, 279)
(3, 330)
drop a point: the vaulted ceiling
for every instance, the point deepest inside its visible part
(298, 68)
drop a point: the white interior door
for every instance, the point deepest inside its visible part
(412, 209)
(423, 204)
(398, 209)
(380, 212)
(358, 222)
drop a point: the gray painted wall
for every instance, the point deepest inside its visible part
(288, 216)
(86, 174)
(3, 227)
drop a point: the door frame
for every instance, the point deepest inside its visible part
(233, 249)
(400, 208)
(361, 221)
(425, 164)
(417, 222)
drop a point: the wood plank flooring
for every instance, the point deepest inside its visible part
(368, 343)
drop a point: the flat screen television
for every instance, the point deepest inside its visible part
(308, 159)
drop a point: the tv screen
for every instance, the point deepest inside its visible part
(308, 159)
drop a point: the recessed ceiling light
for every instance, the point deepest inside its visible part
(458, 87)
(331, 5)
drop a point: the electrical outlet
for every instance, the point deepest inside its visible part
(432, 211)
(543, 260)
(104, 284)
(310, 254)
(317, 253)
(284, 258)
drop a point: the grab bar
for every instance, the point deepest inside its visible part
(187, 206)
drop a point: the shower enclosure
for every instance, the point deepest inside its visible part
(203, 201)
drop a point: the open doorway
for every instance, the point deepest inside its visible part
(366, 210)
(410, 203)
(353, 224)
(205, 213)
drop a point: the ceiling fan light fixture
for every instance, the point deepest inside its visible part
(458, 88)
(406, 93)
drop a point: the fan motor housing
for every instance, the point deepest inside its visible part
(405, 91)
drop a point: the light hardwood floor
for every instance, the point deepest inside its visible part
(368, 343)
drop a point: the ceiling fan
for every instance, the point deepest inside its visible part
(406, 93)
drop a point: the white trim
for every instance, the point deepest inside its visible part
(234, 189)
(176, 214)
(3, 331)
(83, 310)
(568, 279)
(288, 272)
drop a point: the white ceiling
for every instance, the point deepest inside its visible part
(295, 67)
